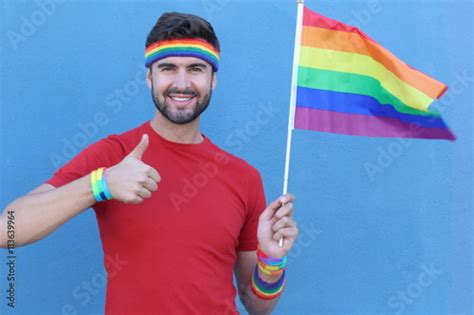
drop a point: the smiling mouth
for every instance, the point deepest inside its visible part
(181, 100)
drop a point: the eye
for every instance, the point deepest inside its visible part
(166, 69)
(196, 69)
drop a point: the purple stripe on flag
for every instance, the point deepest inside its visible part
(364, 125)
(359, 104)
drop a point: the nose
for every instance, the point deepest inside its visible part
(181, 80)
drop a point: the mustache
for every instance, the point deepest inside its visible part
(178, 91)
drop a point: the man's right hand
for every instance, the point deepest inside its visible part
(131, 180)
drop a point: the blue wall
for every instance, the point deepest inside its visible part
(395, 242)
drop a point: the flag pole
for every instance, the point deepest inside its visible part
(294, 83)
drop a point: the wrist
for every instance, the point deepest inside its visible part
(267, 250)
(270, 265)
(99, 186)
(268, 279)
(267, 290)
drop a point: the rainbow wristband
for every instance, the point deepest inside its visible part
(105, 187)
(270, 265)
(100, 188)
(265, 290)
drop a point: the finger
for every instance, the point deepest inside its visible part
(150, 185)
(136, 200)
(289, 233)
(281, 223)
(288, 197)
(288, 244)
(153, 173)
(144, 193)
(285, 210)
(141, 147)
(281, 201)
(267, 214)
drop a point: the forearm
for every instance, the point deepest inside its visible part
(260, 295)
(256, 305)
(37, 215)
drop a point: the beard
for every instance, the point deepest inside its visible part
(181, 117)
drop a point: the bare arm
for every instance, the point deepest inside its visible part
(274, 223)
(44, 209)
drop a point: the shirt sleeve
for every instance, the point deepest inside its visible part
(256, 203)
(103, 153)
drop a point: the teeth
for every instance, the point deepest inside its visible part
(181, 99)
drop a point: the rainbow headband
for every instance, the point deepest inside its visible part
(185, 47)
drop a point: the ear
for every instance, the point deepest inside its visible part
(148, 77)
(214, 80)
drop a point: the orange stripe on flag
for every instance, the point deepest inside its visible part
(354, 43)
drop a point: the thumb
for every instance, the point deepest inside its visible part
(140, 148)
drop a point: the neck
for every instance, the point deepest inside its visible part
(187, 133)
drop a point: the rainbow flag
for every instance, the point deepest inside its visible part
(349, 84)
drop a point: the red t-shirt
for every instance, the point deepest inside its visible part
(175, 252)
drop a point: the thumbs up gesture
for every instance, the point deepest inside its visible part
(131, 180)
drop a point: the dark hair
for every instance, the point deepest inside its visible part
(173, 25)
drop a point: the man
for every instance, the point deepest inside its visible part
(182, 213)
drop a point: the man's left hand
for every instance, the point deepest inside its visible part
(275, 222)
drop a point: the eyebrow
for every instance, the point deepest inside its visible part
(200, 65)
(168, 64)
(165, 65)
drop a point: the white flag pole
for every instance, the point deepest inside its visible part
(294, 83)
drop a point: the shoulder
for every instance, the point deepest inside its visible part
(236, 163)
(117, 146)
